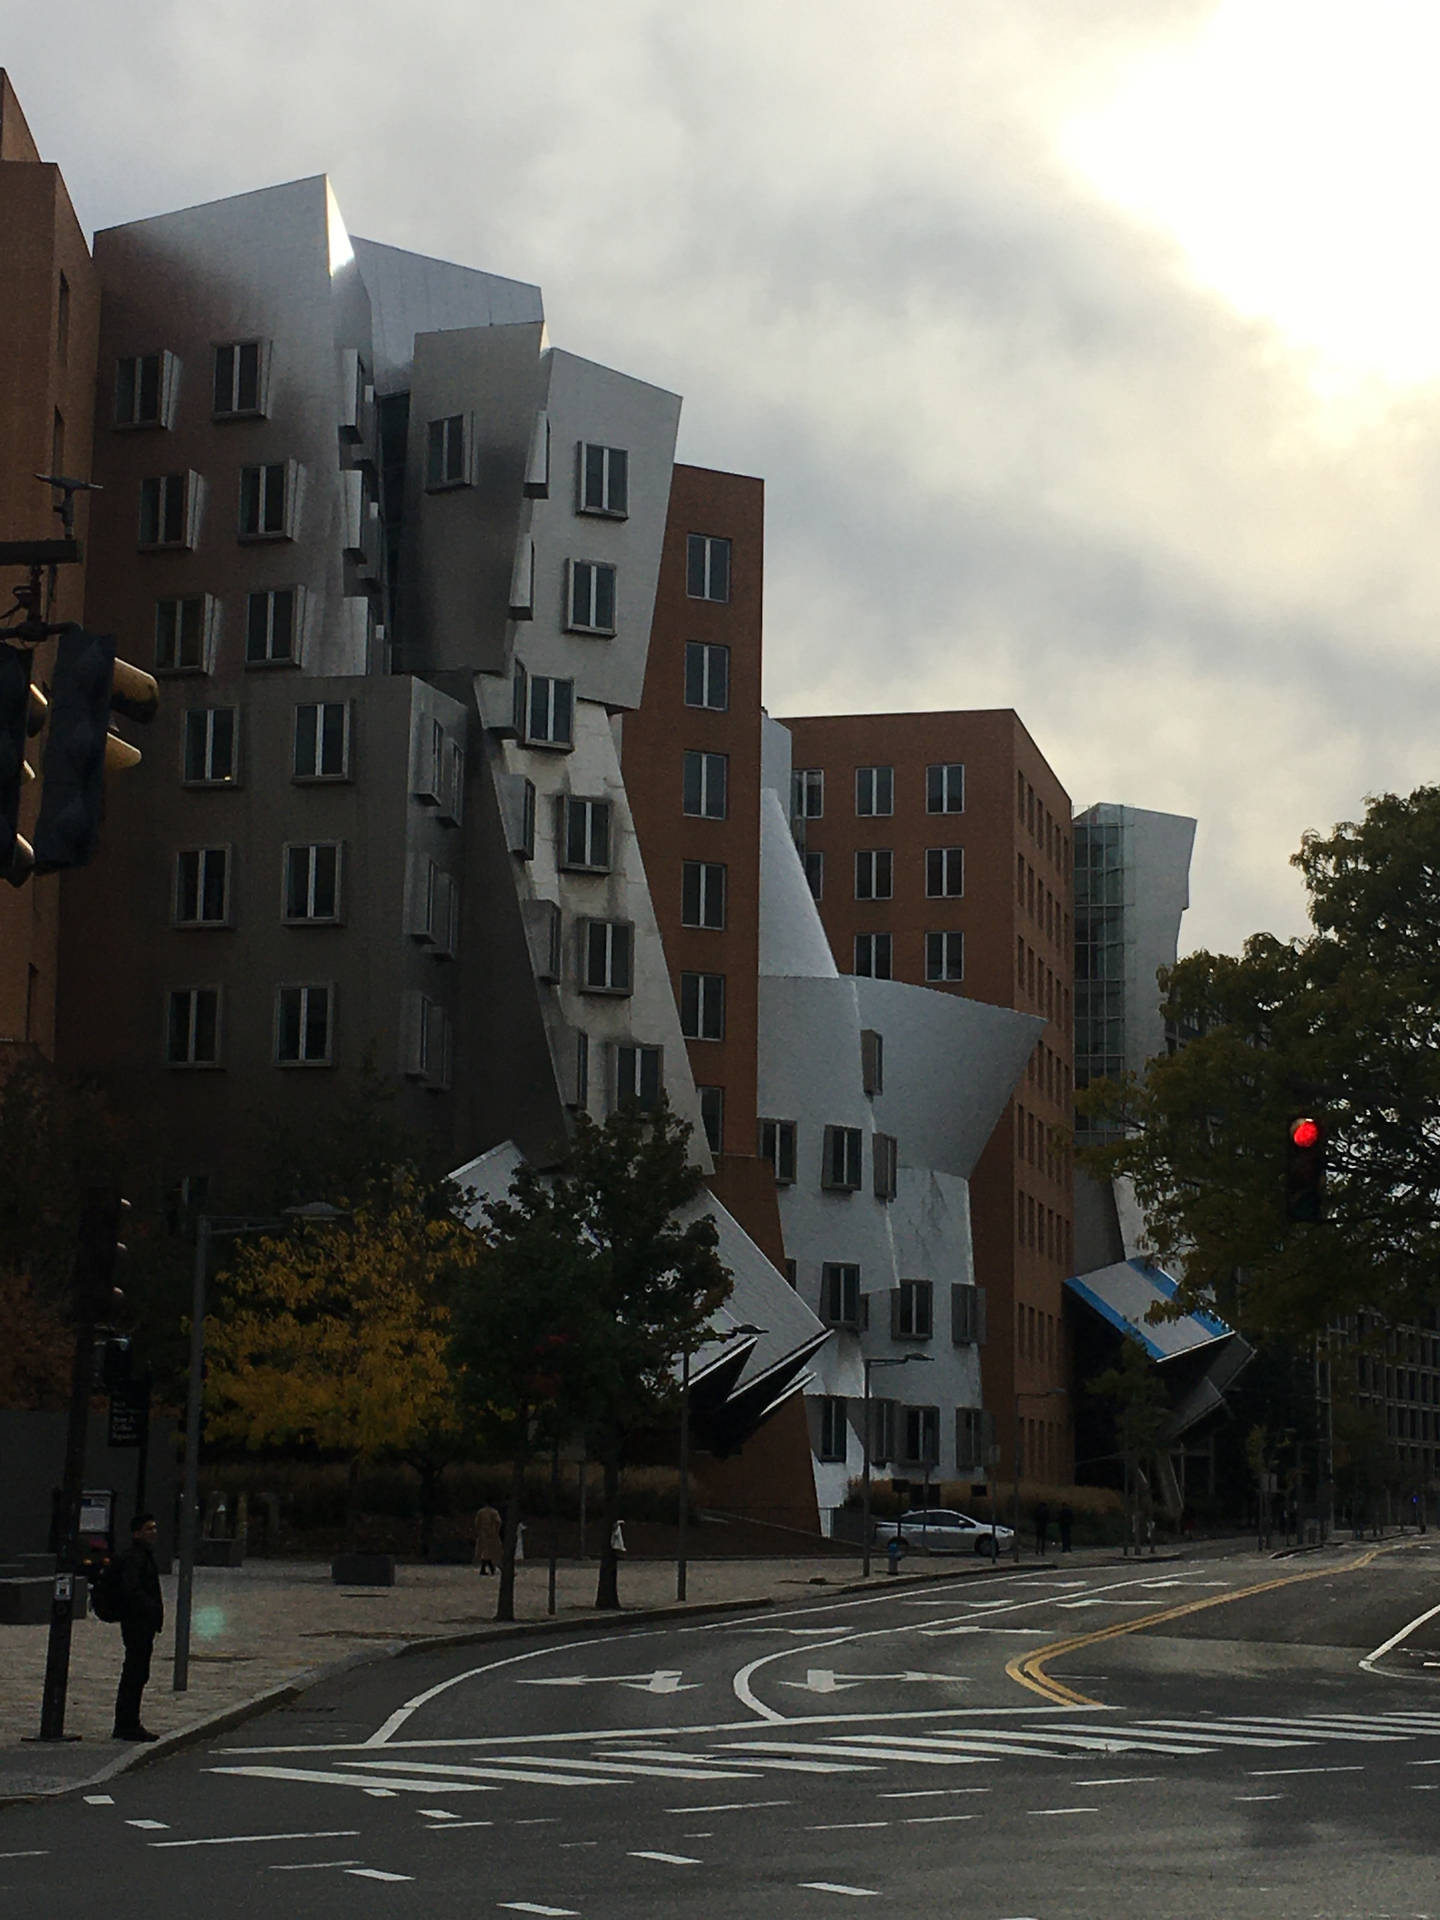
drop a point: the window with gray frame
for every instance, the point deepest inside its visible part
(874, 873)
(144, 390)
(192, 1028)
(322, 740)
(815, 874)
(639, 1075)
(945, 788)
(304, 1018)
(945, 955)
(547, 710)
(974, 1437)
(702, 894)
(312, 883)
(920, 1435)
(267, 500)
(604, 480)
(712, 1115)
(702, 1006)
(873, 956)
(707, 567)
(272, 629)
(944, 872)
(777, 1145)
(238, 392)
(584, 834)
(202, 887)
(912, 1310)
(210, 755)
(840, 1294)
(886, 1151)
(874, 790)
(807, 793)
(592, 597)
(967, 1315)
(447, 453)
(704, 785)
(168, 509)
(182, 634)
(606, 949)
(707, 676)
(841, 1169)
(832, 1426)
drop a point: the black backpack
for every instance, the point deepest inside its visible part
(107, 1594)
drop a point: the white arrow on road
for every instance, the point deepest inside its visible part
(825, 1680)
(662, 1681)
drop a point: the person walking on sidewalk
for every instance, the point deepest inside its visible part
(488, 1537)
(1042, 1526)
(142, 1615)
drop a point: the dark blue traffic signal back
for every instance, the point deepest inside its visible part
(70, 802)
(14, 726)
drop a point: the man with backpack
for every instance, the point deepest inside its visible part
(135, 1585)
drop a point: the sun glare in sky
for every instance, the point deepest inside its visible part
(1291, 148)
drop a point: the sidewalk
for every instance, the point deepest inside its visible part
(272, 1627)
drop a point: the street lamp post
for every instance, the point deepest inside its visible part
(1044, 1393)
(867, 1362)
(682, 1565)
(206, 1230)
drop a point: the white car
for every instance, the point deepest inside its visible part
(943, 1530)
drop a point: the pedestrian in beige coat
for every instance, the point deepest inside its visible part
(488, 1539)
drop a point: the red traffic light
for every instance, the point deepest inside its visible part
(1305, 1133)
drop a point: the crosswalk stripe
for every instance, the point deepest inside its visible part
(1293, 1732)
(768, 1762)
(1072, 1742)
(634, 1767)
(320, 1777)
(867, 1753)
(450, 1774)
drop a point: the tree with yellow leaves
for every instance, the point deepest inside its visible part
(335, 1335)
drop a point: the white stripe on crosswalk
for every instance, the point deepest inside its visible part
(1069, 1742)
(318, 1777)
(1294, 1732)
(768, 1762)
(890, 1752)
(451, 1772)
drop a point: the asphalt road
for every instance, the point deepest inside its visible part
(1219, 1737)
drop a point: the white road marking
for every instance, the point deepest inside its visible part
(529, 1906)
(934, 1819)
(157, 1826)
(437, 1813)
(29, 1853)
(1040, 1812)
(665, 1859)
(929, 1793)
(309, 1866)
(1423, 1763)
(1367, 1665)
(945, 1633)
(377, 1873)
(1423, 1787)
(847, 1826)
(452, 1773)
(1105, 1603)
(1127, 1780)
(1042, 1738)
(1259, 1796)
(258, 1839)
(99, 1799)
(967, 1746)
(770, 1765)
(323, 1778)
(732, 1806)
(1279, 1773)
(1317, 1729)
(834, 1886)
(397, 1719)
(664, 1680)
(381, 1793)
(872, 1753)
(826, 1680)
(454, 1826)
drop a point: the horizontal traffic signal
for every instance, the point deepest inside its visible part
(89, 683)
(1305, 1168)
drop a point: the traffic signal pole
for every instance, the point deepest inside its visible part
(95, 1256)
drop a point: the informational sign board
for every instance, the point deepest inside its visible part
(129, 1411)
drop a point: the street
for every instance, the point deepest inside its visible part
(1226, 1735)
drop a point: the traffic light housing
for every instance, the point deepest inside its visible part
(88, 683)
(1305, 1168)
(22, 713)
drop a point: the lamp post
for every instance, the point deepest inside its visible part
(206, 1230)
(1043, 1393)
(682, 1565)
(867, 1362)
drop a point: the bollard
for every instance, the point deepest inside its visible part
(893, 1552)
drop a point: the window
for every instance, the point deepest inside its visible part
(547, 710)
(238, 393)
(518, 802)
(192, 1027)
(912, 1310)
(604, 480)
(605, 956)
(874, 790)
(427, 1048)
(920, 1435)
(702, 1006)
(840, 1169)
(638, 1076)
(580, 1097)
(182, 634)
(322, 740)
(702, 894)
(887, 1165)
(707, 567)
(712, 1115)
(303, 1021)
(874, 873)
(807, 793)
(267, 501)
(591, 597)
(872, 1061)
(447, 454)
(312, 883)
(211, 743)
(974, 1435)
(452, 789)
(585, 835)
(945, 956)
(272, 628)
(145, 390)
(543, 934)
(945, 788)
(707, 676)
(777, 1145)
(435, 914)
(832, 1427)
(967, 1315)
(944, 872)
(873, 956)
(840, 1295)
(705, 781)
(169, 509)
(882, 1431)
(815, 875)
(202, 887)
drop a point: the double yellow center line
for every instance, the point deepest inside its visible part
(1030, 1668)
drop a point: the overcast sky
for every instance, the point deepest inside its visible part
(1088, 348)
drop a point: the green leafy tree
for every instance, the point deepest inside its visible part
(589, 1290)
(334, 1335)
(1343, 1024)
(1141, 1413)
